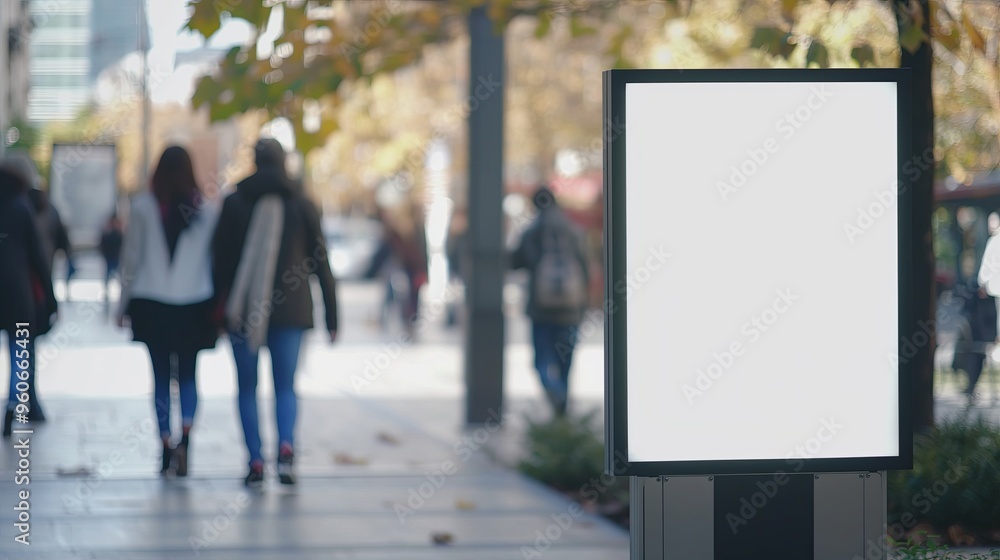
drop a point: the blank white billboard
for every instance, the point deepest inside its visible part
(83, 186)
(762, 291)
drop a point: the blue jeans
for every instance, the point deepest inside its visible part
(554, 345)
(163, 361)
(110, 269)
(283, 344)
(14, 348)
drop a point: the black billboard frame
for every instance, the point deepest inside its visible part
(615, 270)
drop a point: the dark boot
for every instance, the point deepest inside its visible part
(8, 423)
(181, 456)
(255, 479)
(167, 458)
(286, 457)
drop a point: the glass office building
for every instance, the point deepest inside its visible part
(72, 42)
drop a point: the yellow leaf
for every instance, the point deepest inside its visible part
(978, 42)
(345, 459)
(940, 13)
(788, 8)
(430, 17)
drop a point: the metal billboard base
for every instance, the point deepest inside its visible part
(801, 516)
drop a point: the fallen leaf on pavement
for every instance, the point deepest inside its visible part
(79, 471)
(442, 538)
(345, 459)
(388, 438)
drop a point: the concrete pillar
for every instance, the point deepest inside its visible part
(485, 268)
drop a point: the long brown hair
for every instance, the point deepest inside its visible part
(173, 179)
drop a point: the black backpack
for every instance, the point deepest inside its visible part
(559, 279)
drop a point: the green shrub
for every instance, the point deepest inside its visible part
(932, 551)
(564, 452)
(955, 478)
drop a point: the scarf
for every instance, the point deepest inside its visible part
(248, 309)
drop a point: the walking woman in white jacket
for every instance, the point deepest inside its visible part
(167, 291)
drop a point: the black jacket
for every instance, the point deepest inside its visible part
(50, 225)
(302, 253)
(24, 267)
(980, 312)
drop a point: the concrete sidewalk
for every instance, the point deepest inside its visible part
(373, 484)
(386, 467)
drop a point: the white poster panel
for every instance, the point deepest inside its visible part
(83, 187)
(762, 256)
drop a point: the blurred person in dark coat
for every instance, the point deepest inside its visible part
(267, 247)
(554, 252)
(50, 225)
(27, 302)
(403, 248)
(53, 237)
(457, 252)
(978, 331)
(112, 238)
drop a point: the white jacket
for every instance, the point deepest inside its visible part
(146, 269)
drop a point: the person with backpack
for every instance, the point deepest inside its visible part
(553, 250)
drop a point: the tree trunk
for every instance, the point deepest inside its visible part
(922, 126)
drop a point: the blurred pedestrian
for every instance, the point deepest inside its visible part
(27, 302)
(983, 313)
(51, 226)
(457, 249)
(267, 246)
(978, 328)
(554, 252)
(386, 265)
(167, 292)
(111, 247)
(53, 237)
(403, 249)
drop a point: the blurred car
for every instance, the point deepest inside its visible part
(351, 243)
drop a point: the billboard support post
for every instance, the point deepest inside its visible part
(841, 516)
